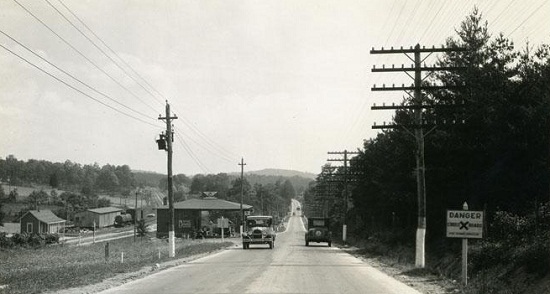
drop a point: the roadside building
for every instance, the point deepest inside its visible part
(41, 222)
(191, 215)
(102, 217)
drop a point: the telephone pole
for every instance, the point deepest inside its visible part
(345, 160)
(417, 106)
(242, 164)
(169, 137)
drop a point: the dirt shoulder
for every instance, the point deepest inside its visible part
(419, 279)
(123, 278)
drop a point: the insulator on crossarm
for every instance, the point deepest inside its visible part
(383, 85)
(384, 123)
(433, 46)
(382, 48)
(383, 66)
(393, 85)
(374, 105)
(373, 66)
(391, 47)
(401, 47)
(393, 104)
(374, 123)
(383, 104)
(393, 66)
(402, 66)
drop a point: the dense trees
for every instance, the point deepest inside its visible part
(66, 175)
(497, 160)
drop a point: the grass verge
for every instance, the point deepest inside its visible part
(56, 267)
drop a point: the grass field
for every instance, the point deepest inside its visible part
(61, 267)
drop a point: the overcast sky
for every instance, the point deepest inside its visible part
(279, 83)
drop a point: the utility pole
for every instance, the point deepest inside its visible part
(135, 216)
(242, 164)
(417, 106)
(168, 138)
(345, 160)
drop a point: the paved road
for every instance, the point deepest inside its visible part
(290, 267)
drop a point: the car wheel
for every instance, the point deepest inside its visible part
(271, 245)
(329, 244)
(307, 243)
(244, 246)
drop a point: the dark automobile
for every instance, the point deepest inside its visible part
(259, 230)
(318, 230)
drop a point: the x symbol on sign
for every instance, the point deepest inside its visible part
(464, 225)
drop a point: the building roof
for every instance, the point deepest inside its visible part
(103, 210)
(46, 216)
(208, 203)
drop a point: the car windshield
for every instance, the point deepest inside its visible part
(318, 223)
(259, 222)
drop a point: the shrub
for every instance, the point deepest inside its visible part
(20, 239)
(51, 238)
(5, 241)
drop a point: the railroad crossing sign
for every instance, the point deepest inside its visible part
(464, 224)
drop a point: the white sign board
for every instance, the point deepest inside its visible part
(464, 224)
(223, 223)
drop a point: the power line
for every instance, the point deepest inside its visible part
(191, 153)
(82, 55)
(76, 89)
(75, 78)
(112, 51)
(528, 17)
(196, 130)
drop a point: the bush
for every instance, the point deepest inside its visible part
(51, 238)
(5, 241)
(20, 239)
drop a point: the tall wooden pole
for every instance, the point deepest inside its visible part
(169, 136)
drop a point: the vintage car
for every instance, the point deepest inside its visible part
(259, 230)
(318, 230)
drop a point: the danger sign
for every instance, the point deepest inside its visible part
(464, 224)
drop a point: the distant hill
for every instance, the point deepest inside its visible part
(282, 172)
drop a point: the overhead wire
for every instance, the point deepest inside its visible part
(76, 89)
(73, 77)
(190, 152)
(81, 54)
(195, 129)
(110, 49)
(529, 16)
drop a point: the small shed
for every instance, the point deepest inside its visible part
(41, 222)
(103, 217)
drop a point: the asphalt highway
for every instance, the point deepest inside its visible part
(290, 267)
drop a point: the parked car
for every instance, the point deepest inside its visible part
(318, 230)
(259, 230)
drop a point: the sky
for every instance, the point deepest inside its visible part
(277, 83)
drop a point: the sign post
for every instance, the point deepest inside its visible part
(464, 224)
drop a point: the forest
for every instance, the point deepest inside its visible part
(495, 158)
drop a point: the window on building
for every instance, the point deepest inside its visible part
(29, 227)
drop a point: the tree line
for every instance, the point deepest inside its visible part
(497, 160)
(68, 175)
